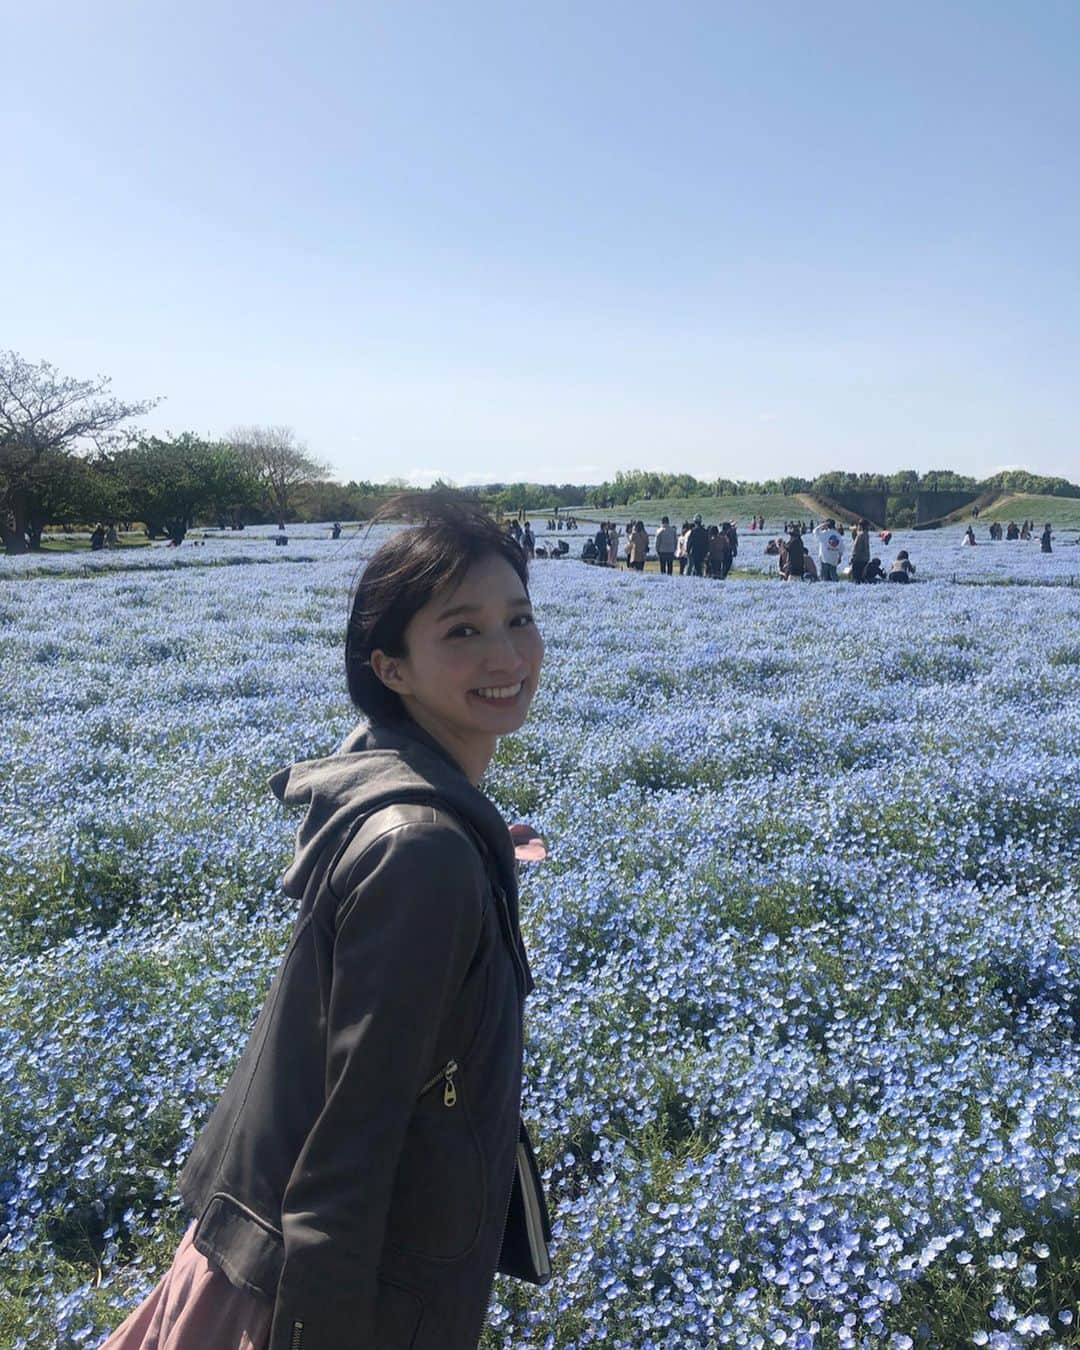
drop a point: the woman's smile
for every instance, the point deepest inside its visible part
(507, 693)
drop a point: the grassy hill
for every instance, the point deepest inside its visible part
(1064, 512)
(713, 510)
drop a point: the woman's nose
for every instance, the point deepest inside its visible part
(502, 654)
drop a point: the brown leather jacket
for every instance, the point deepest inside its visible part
(366, 1167)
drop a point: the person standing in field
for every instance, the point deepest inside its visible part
(528, 541)
(860, 552)
(637, 547)
(719, 552)
(697, 547)
(796, 553)
(665, 543)
(1044, 542)
(600, 539)
(680, 547)
(366, 1170)
(830, 550)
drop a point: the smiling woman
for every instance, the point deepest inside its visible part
(366, 1170)
(442, 631)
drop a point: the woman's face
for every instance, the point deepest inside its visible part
(472, 662)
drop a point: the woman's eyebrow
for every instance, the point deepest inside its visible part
(522, 602)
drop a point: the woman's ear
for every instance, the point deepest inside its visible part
(388, 670)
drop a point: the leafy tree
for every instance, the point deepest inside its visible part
(169, 481)
(45, 418)
(70, 490)
(903, 483)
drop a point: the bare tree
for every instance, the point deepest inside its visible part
(279, 461)
(45, 417)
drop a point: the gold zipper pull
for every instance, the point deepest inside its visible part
(449, 1095)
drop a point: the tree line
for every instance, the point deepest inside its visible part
(646, 485)
(69, 456)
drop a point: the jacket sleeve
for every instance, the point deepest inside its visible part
(406, 932)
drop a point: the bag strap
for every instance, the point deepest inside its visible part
(388, 816)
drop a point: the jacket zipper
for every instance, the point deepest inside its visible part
(297, 1335)
(446, 1077)
(509, 1198)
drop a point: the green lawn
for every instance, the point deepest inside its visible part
(1062, 512)
(58, 542)
(713, 510)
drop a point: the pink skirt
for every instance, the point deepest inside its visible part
(194, 1307)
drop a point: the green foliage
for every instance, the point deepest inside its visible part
(45, 419)
(170, 481)
(1020, 480)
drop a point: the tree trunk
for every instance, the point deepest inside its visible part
(13, 527)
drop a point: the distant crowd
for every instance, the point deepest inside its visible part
(795, 554)
(804, 552)
(1013, 531)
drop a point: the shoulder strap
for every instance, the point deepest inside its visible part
(389, 817)
(393, 814)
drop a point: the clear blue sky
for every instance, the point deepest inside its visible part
(499, 241)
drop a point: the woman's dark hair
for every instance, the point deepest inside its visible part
(450, 533)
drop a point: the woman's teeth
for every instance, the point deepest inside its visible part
(504, 691)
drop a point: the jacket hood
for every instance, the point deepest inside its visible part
(377, 764)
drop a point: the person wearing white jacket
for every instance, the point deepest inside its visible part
(680, 548)
(830, 549)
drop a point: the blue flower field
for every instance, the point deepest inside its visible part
(803, 1056)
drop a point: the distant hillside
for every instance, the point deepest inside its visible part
(774, 507)
(1064, 512)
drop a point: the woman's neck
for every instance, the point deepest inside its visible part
(472, 754)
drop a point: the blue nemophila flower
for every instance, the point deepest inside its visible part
(802, 1057)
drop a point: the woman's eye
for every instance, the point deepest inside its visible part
(462, 630)
(523, 619)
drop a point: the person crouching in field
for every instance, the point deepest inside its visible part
(366, 1171)
(903, 569)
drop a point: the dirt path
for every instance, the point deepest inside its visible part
(816, 507)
